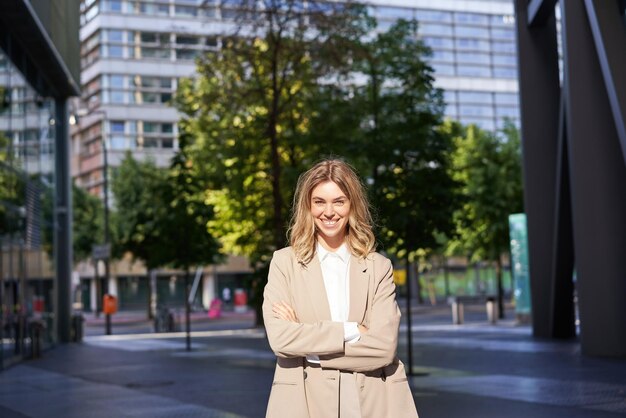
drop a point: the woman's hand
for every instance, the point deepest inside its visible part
(283, 311)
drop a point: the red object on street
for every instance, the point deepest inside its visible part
(215, 310)
(241, 300)
(109, 304)
(38, 304)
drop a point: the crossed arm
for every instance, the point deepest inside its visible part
(376, 347)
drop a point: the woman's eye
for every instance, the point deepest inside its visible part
(318, 202)
(340, 203)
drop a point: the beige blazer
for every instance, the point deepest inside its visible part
(381, 380)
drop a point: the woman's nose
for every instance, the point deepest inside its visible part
(329, 211)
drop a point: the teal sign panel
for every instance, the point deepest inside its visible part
(519, 257)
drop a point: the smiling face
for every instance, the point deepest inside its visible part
(330, 209)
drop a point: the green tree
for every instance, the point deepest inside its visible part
(249, 111)
(408, 152)
(88, 222)
(162, 215)
(12, 190)
(5, 99)
(186, 239)
(488, 166)
(138, 216)
(250, 107)
(139, 209)
(185, 221)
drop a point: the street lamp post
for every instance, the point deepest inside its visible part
(107, 237)
(105, 252)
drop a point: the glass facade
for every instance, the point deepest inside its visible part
(26, 213)
(473, 47)
(468, 46)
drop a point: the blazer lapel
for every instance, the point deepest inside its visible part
(314, 283)
(359, 280)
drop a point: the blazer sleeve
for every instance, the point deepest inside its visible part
(377, 347)
(291, 339)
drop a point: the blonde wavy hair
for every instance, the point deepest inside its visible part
(302, 233)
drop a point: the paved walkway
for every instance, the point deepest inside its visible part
(474, 370)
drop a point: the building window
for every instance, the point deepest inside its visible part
(473, 71)
(473, 58)
(505, 60)
(117, 126)
(186, 11)
(481, 97)
(393, 13)
(503, 46)
(472, 31)
(475, 110)
(112, 6)
(438, 43)
(435, 29)
(474, 18)
(507, 98)
(433, 16)
(442, 56)
(504, 72)
(155, 135)
(509, 112)
(472, 44)
(502, 20)
(503, 33)
(114, 51)
(443, 69)
(151, 89)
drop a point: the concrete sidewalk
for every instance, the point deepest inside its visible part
(474, 370)
(131, 317)
(133, 322)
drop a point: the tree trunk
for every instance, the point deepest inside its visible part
(152, 293)
(446, 276)
(420, 299)
(500, 290)
(477, 284)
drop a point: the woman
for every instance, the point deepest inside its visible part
(329, 308)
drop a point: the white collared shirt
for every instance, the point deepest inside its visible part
(336, 274)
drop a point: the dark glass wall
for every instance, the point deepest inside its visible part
(26, 215)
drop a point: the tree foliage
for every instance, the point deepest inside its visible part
(87, 223)
(139, 210)
(249, 109)
(161, 217)
(12, 191)
(408, 153)
(186, 239)
(488, 167)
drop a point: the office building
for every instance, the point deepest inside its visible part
(134, 52)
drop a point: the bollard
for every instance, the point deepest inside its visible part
(457, 313)
(492, 310)
(77, 328)
(36, 338)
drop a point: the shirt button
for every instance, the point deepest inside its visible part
(305, 374)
